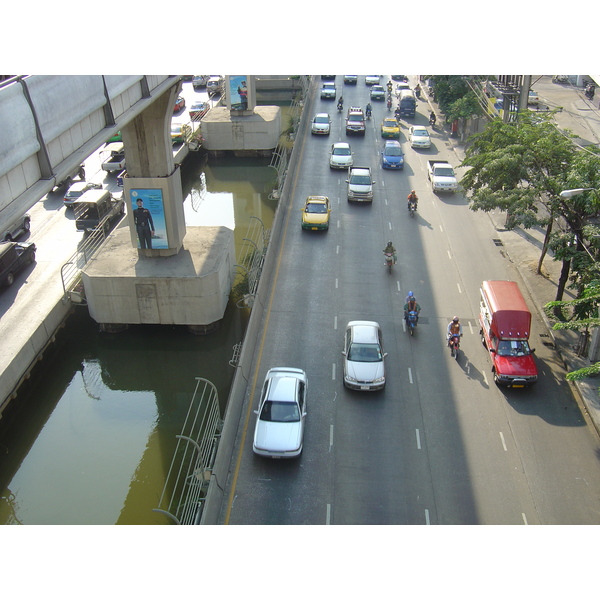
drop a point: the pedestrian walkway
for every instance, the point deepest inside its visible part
(523, 246)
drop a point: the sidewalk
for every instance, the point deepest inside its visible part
(523, 246)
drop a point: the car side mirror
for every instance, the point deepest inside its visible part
(492, 350)
(385, 354)
(343, 352)
(255, 412)
(532, 350)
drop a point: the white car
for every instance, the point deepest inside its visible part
(364, 366)
(533, 98)
(321, 124)
(340, 156)
(328, 91)
(279, 431)
(372, 79)
(419, 137)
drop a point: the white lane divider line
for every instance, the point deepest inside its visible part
(418, 439)
(503, 442)
(524, 519)
(459, 290)
(410, 375)
(335, 322)
(328, 515)
(330, 437)
(427, 522)
(333, 372)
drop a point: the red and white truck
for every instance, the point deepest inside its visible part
(505, 324)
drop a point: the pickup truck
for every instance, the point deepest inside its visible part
(442, 177)
(115, 161)
(355, 121)
(97, 208)
(14, 257)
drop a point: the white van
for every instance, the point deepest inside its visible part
(214, 84)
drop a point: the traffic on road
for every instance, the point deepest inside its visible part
(407, 424)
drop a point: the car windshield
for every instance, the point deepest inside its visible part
(513, 348)
(393, 151)
(420, 132)
(313, 207)
(342, 151)
(390, 123)
(360, 179)
(321, 120)
(175, 128)
(377, 88)
(364, 353)
(280, 412)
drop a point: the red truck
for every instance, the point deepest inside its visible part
(505, 324)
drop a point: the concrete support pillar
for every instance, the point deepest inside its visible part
(153, 183)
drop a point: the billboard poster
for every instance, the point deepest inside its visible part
(149, 218)
(238, 92)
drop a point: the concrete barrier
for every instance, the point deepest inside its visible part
(239, 389)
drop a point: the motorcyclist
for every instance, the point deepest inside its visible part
(418, 89)
(412, 198)
(454, 328)
(397, 113)
(368, 109)
(389, 249)
(340, 103)
(432, 118)
(390, 85)
(389, 102)
(411, 305)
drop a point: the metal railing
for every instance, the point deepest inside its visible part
(252, 256)
(70, 272)
(191, 467)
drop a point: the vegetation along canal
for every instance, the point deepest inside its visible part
(91, 438)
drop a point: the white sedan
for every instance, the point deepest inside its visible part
(340, 156)
(279, 431)
(419, 137)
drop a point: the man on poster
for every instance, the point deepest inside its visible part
(143, 225)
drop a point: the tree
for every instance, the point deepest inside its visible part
(521, 167)
(464, 108)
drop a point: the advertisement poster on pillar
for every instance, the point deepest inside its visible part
(149, 218)
(238, 92)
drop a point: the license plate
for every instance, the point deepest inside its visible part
(364, 387)
(518, 386)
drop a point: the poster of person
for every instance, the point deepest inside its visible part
(238, 92)
(149, 218)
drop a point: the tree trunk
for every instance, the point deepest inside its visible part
(545, 245)
(562, 280)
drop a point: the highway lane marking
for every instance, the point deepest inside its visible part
(330, 437)
(503, 442)
(459, 290)
(336, 285)
(337, 249)
(427, 517)
(410, 375)
(524, 519)
(390, 225)
(333, 372)
(471, 327)
(449, 255)
(335, 320)
(418, 440)
(328, 515)
(398, 284)
(484, 378)
(285, 226)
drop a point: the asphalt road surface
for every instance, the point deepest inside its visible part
(442, 444)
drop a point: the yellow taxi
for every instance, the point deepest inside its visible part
(315, 214)
(390, 128)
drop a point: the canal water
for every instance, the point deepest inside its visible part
(92, 434)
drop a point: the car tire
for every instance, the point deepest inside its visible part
(32, 258)
(10, 278)
(26, 225)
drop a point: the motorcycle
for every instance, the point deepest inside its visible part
(389, 103)
(412, 208)
(340, 106)
(590, 89)
(454, 345)
(432, 121)
(368, 113)
(389, 261)
(411, 321)
(397, 114)
(559, 79)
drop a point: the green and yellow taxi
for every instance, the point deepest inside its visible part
(390, 128)
(315, 214)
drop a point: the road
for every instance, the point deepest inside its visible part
(441, 444)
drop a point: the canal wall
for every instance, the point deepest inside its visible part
(211, 513)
